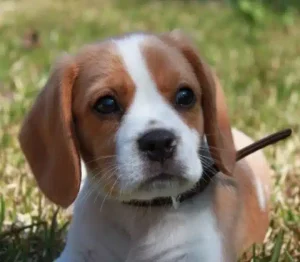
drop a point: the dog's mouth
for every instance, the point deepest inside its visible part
(163, 180)
(163, 177)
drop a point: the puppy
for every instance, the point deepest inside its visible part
(145, 118)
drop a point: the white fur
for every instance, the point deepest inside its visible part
(83, 173)
(260, 194)
(104, 229)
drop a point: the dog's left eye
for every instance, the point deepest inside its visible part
(185, 97)
(106, 105)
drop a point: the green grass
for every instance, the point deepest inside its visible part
(258, 67)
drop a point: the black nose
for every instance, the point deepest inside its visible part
(158, 144)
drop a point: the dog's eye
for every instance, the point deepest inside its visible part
(106, 105)
(185, 97)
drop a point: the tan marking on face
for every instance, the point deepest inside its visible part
(170, 70)
(101, 73)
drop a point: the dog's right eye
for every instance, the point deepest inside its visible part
(185, 97)
(106, 105)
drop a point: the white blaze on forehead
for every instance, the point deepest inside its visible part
(146, 91)
(130, 51)
(148, 104)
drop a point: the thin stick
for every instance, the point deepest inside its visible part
(266, 141)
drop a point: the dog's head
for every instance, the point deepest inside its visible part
(137, 110)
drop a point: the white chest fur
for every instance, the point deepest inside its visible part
(111, 231)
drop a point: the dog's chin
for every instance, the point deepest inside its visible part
(162, 185)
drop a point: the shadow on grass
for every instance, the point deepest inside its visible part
(40, 242)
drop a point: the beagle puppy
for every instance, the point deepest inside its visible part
(145, 118)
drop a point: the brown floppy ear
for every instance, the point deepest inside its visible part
(47, 137)
(216, 120)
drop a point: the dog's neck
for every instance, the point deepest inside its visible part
(148, 232)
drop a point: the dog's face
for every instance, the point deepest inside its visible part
(136, 109)
(137, 104)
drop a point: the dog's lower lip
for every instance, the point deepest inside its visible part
(162, 177)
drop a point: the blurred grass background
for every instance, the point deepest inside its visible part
(253, 45)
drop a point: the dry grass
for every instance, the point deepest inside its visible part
(260, 74)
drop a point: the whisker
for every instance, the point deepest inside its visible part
(108, 194)
(210, 159)
(213, 147)
(100, 158)
(95, 182)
